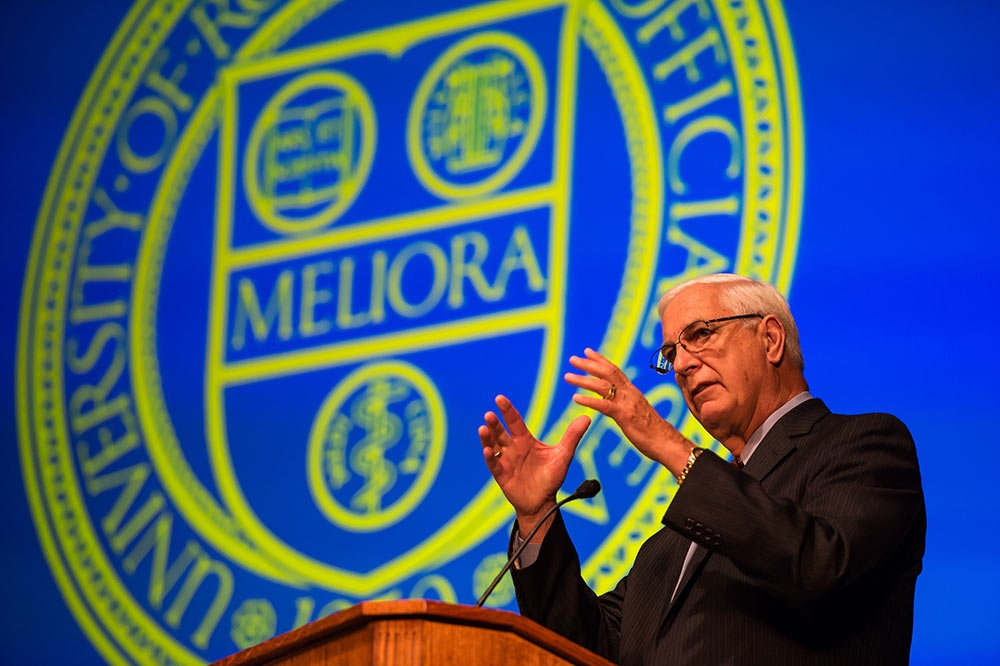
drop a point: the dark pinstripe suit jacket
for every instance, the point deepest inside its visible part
(809, 555)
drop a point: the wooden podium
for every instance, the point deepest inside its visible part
(417, 633)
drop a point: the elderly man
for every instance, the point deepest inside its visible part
(804, 549)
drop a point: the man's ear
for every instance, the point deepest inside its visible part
(774, 339)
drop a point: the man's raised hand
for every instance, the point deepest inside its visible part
(528, 471)
(648, 432)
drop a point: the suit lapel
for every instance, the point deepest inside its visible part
(780, 441)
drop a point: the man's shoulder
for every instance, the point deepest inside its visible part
(881, 421)
(814, 412)
(837, 434)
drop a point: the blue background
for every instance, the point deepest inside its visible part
(894, 288)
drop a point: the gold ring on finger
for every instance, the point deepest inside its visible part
(498, 452)
(612, 392)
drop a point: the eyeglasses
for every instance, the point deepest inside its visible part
(695, 337)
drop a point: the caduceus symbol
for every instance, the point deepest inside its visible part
(370, 411)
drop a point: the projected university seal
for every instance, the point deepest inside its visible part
(290, 251)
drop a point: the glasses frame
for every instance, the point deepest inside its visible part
(670, 366)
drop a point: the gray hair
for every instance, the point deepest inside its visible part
(745, 295)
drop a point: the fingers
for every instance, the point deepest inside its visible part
(489, 442)
(496, 428)
(515, 424)
(494, 437)
(603, 375)
(599, 386)
(595, 355)
(487, 435)
(597, 404)
(595, 364)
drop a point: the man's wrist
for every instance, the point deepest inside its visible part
(527, 522)
(674, 451)
(529, 554)
(692, 457)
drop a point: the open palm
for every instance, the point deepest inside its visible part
(528, 471)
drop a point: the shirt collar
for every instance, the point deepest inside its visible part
(765, 427)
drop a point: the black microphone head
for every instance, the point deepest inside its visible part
(588, 489)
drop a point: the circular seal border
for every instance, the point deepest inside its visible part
(40, 343)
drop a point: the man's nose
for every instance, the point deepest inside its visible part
(684, 361)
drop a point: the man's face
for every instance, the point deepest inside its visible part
(723, 382)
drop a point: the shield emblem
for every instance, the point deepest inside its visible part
(333, 310)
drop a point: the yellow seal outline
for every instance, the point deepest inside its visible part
(328, 504)
(415, 123)
(260, 204)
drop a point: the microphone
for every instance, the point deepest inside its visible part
(585, 490)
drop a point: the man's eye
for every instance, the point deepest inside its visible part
(669, 353)
(701, 333)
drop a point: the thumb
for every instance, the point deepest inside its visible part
(573, 434)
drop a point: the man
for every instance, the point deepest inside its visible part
(807, 554)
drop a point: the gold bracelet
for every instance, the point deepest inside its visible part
(695, 452)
